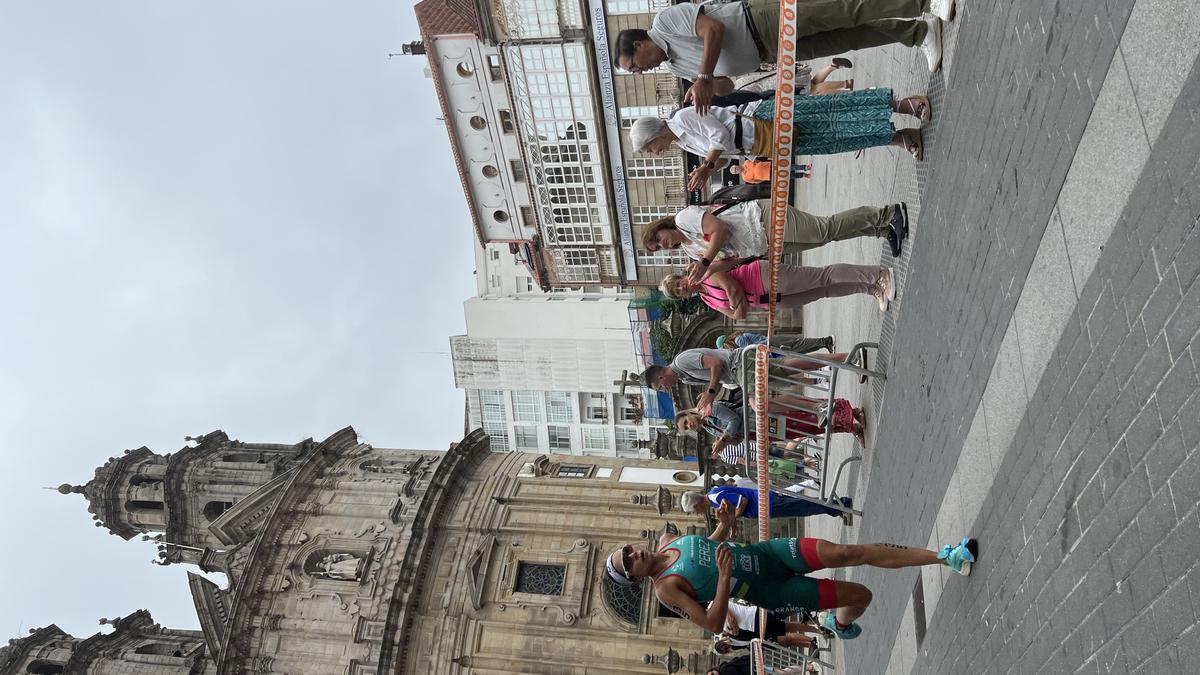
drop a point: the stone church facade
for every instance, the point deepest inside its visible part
(343, 558)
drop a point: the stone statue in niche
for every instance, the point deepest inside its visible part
(339, 566)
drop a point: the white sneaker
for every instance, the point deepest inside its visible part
(942, 9)
(887, 283)
(932, 46)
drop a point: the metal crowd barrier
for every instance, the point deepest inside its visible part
(771, 658)
(791, 389)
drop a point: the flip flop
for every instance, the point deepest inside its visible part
(842, 62)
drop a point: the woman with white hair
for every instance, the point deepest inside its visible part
(823, 125)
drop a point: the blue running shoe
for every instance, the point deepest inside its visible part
(849, 633)
(960, 558)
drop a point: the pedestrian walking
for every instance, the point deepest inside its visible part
(717, 238)
(734, 292)
(687, 572)
(711, 43)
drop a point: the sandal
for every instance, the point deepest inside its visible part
(914, 144)
(918, 106)
(841, 62)
(862, 379)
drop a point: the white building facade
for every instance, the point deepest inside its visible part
(538, 121)
(541, 374)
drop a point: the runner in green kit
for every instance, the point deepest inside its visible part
(691, 571)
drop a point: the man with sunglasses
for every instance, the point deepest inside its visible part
(690, 571)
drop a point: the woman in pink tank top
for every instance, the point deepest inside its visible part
(734, 291)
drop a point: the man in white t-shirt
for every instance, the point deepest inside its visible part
(711, 43)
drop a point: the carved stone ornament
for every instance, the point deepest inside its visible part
(665, 501)
(671, 660)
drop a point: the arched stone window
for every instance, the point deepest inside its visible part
(143, 505)
(213, 510)
(141, 479)
(623, 600)
(44, 668)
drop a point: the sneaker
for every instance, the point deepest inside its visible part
(942, 9)
(848, 633)
(960, 558)
(894, 243)
(900, 221)
(880, 297)
(885, 289)
(932, 46)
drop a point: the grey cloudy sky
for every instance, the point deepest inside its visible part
(219, 214)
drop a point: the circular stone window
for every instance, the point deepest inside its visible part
(465, 69)
(490, 171)
(684, 477)
(500, 216)
(478, 122)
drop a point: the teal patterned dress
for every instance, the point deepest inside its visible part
(833, 123)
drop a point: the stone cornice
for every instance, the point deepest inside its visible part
(174, 483)
(243, 602)
(422, 539)
(90, 649)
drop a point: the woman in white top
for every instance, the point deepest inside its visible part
(717, 238)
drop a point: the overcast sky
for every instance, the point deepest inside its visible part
(219, 214)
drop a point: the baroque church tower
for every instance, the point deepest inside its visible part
(178, 499)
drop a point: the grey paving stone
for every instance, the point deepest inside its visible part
(1179, 548)
(1146, 581)
(1154, 71)
(1173, 612)
(1152, 367)
(1188, 650)
(1177, 386)
(1164, 662)
(1164, 457)
(1138, 641)
(1162, 302)
(1156, 520)
(1187, 261)
(1185, 484)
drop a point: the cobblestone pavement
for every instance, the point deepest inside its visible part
(1042, 362)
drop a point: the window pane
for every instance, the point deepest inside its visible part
(595, 438)
(558, 407)
(560, 437)
(527, 438)
(527, 406)
(498, 433)
(492, 402)
(575, 471)
(540, 579)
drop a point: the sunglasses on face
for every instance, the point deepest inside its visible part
(627, 559)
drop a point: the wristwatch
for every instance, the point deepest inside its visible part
(705, 261)
(712, 391)
(710, 165)
(704, 76)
